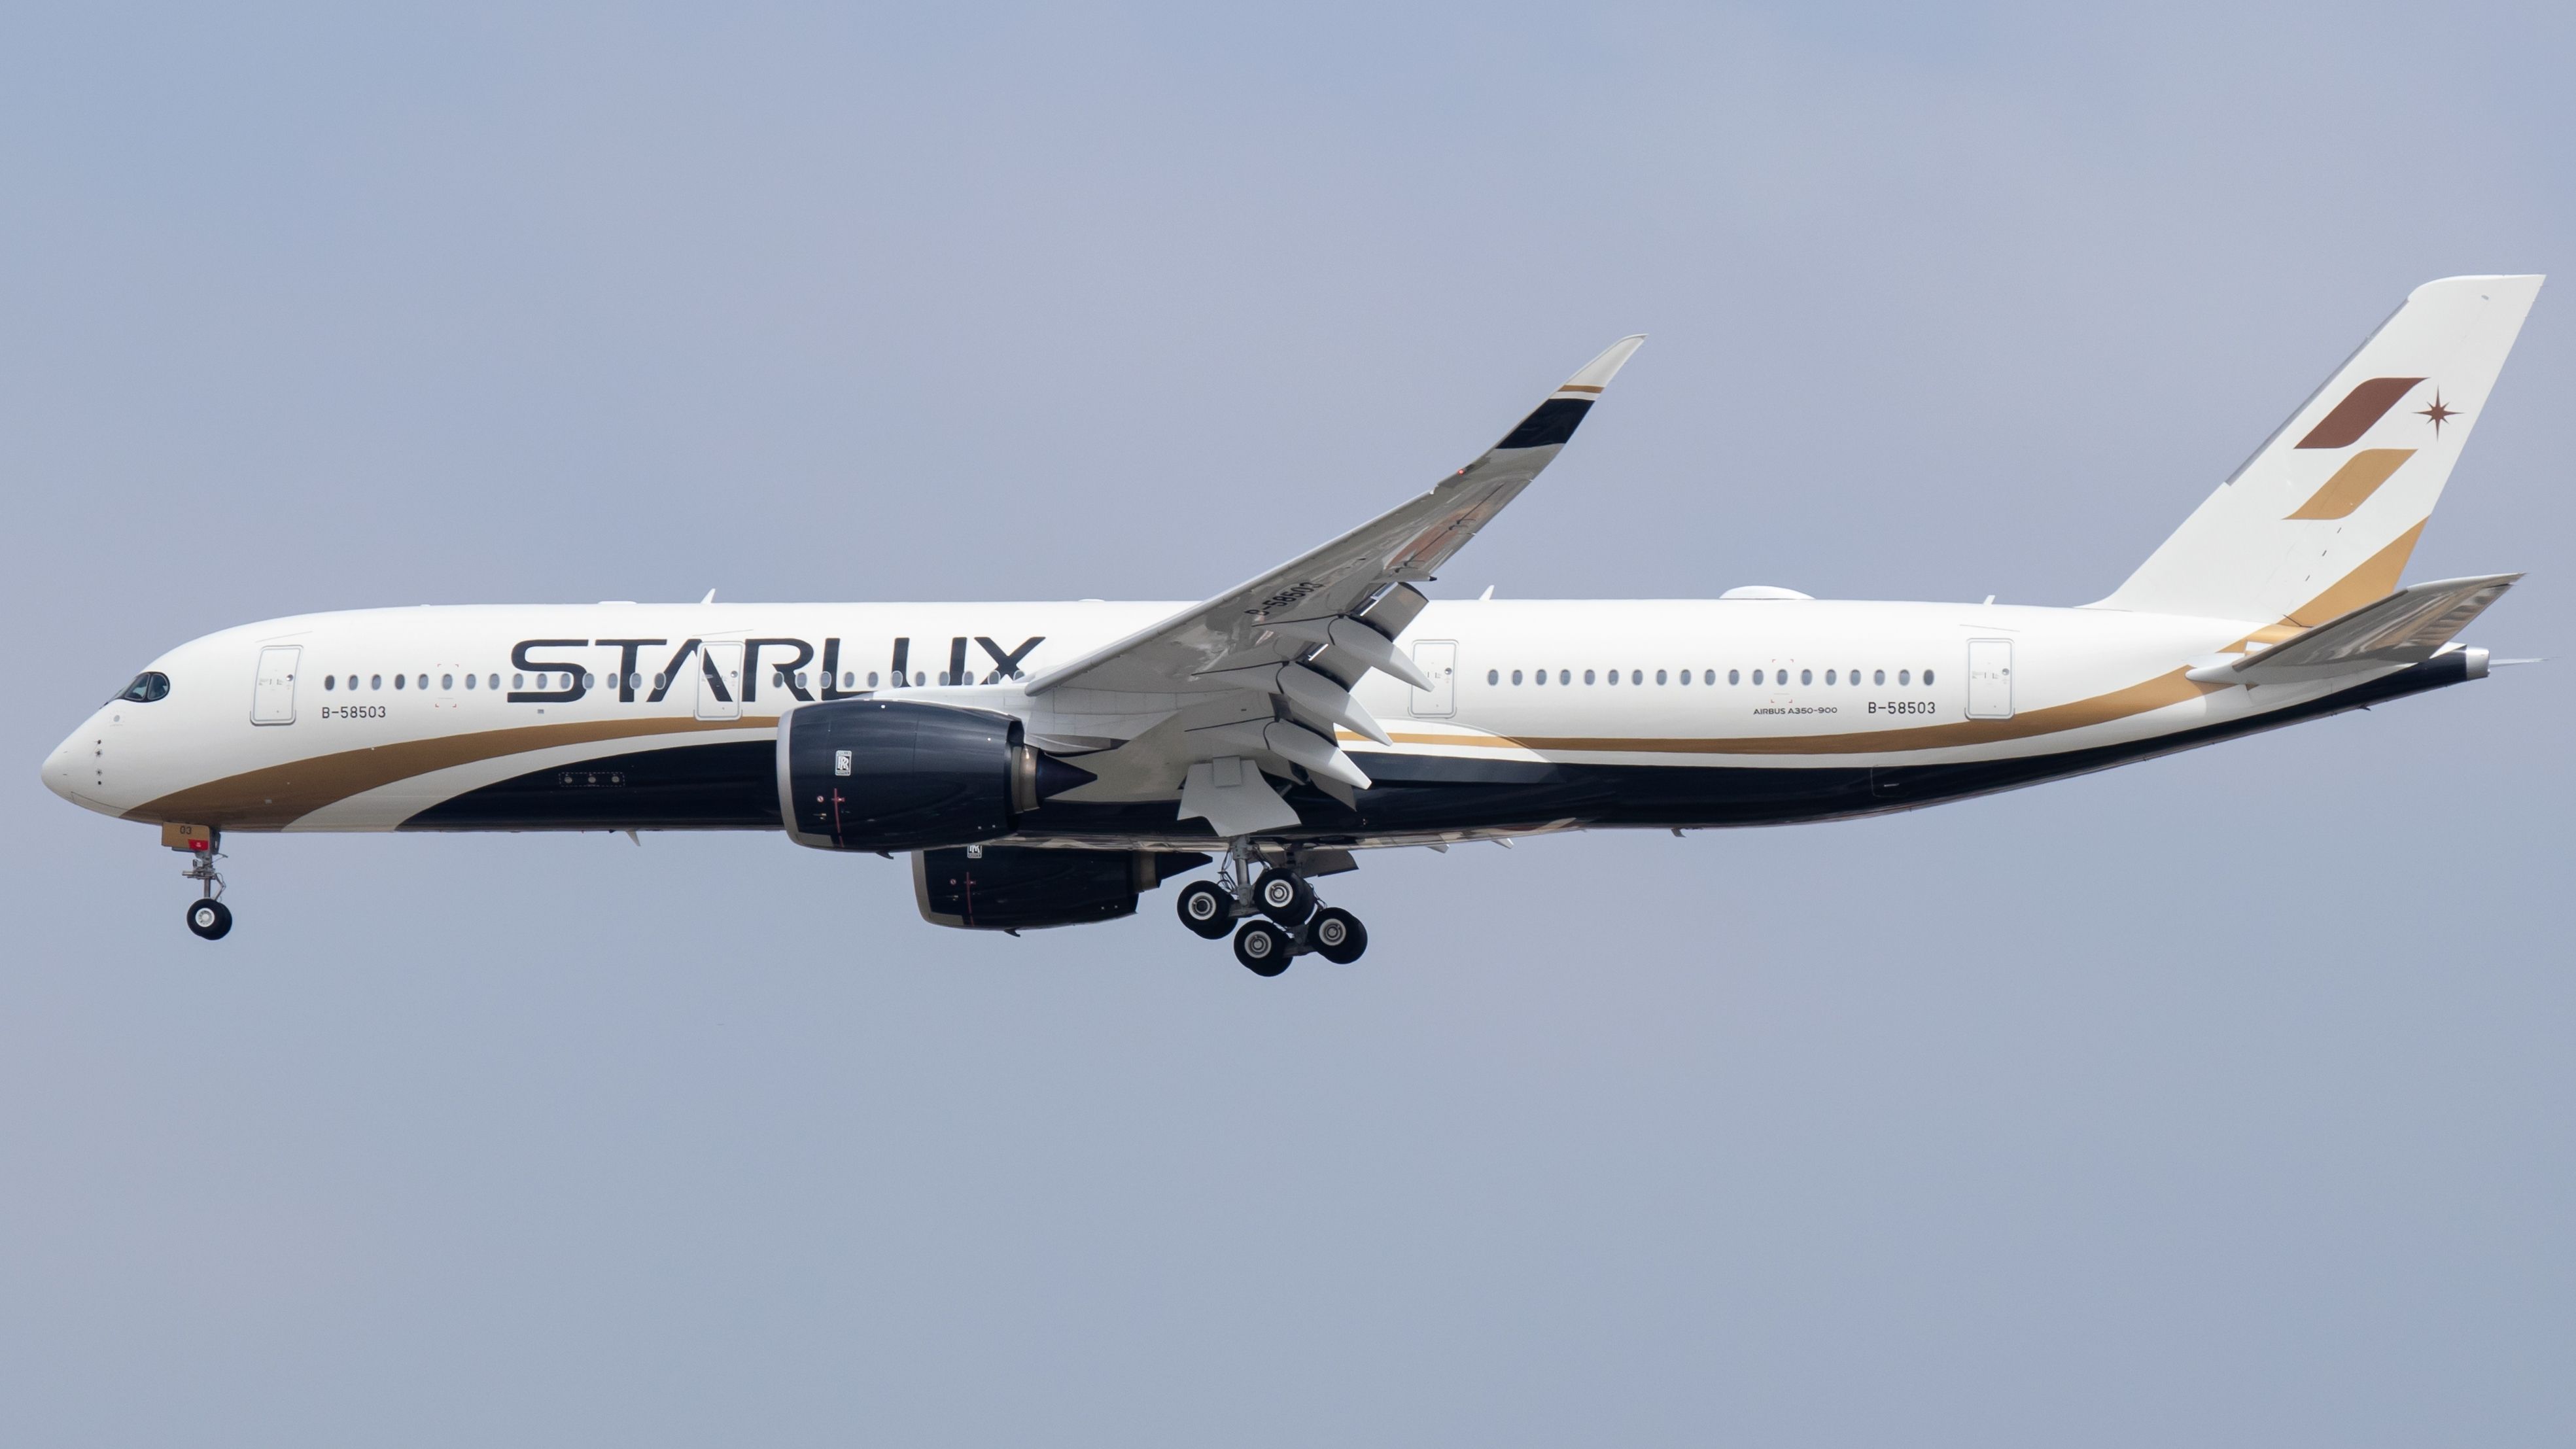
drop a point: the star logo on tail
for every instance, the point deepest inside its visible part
(2438, 413)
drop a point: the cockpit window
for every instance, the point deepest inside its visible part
(148, 686)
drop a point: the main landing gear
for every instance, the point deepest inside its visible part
(1293, 926)
(208, 916)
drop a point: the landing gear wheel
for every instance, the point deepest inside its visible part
(1284, 897)
(1262, 948)
(1206, 909)
(1338, 935)
(210, 919)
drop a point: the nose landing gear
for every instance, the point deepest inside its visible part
(208, 916)
(1294, 928)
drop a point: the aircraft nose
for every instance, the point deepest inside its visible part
(62, 766)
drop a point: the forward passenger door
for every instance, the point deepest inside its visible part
(272, 695)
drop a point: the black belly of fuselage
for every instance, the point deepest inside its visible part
(734, 786)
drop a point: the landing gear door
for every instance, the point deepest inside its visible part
(272, 694)
(720, 680)
(1438, 658)
(1990, 692)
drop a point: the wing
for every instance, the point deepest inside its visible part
(1263, 672)
(2408, 627)
(1278, 616)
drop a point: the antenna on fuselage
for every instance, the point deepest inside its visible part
(710, 598)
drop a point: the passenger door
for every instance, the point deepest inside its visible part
(720, 680)
(272, 695)
(1438, 659)
(1990, 694)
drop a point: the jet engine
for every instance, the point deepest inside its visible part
(1018, 887)
(881, 774)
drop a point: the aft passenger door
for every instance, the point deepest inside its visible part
(720, 680)
(272, 695)
(1990, 694)
(1438, 659)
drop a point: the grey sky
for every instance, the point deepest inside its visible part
(2221, 1099)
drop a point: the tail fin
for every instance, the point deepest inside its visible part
(2322, 518)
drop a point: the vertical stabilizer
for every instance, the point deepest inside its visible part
(2322, 518)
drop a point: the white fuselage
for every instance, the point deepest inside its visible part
(379, 718)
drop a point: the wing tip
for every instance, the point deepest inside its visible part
(1595, 375)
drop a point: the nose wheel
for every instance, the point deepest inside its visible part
(1275, 922)
(210, 918)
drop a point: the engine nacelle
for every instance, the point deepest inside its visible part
(1019, 887)
(883, 774)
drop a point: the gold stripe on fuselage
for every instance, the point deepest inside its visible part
(278, 796)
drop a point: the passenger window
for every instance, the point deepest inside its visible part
(1879, 678)
(1659, 676)
(1806, 676)
(872, 679)
(470, 681)
(1905, 676)
(447, 681)
(330, 681)
(1587, 676)
(1493, 676)
(518, 681)
(1541, 678)
(1757, 676)
(398, 680)
(1829, 676)
(1516, 676)
(1927, 678)
(375, 681)
(424, 681)
(1614, 676)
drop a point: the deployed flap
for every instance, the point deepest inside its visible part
(2408, 627)
(1233, 798)
(1235, 629)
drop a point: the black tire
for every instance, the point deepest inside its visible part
(210, 919)
(1262, 948)
(1283, 897)
(1206, 909)
(1338, 935)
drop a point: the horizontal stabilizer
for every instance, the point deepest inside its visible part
(2408, 627)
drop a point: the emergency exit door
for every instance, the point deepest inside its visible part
(1438, 659)
(272, 694)
(1990, 692)
(720, 680)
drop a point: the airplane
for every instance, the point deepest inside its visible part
(1044, 764)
